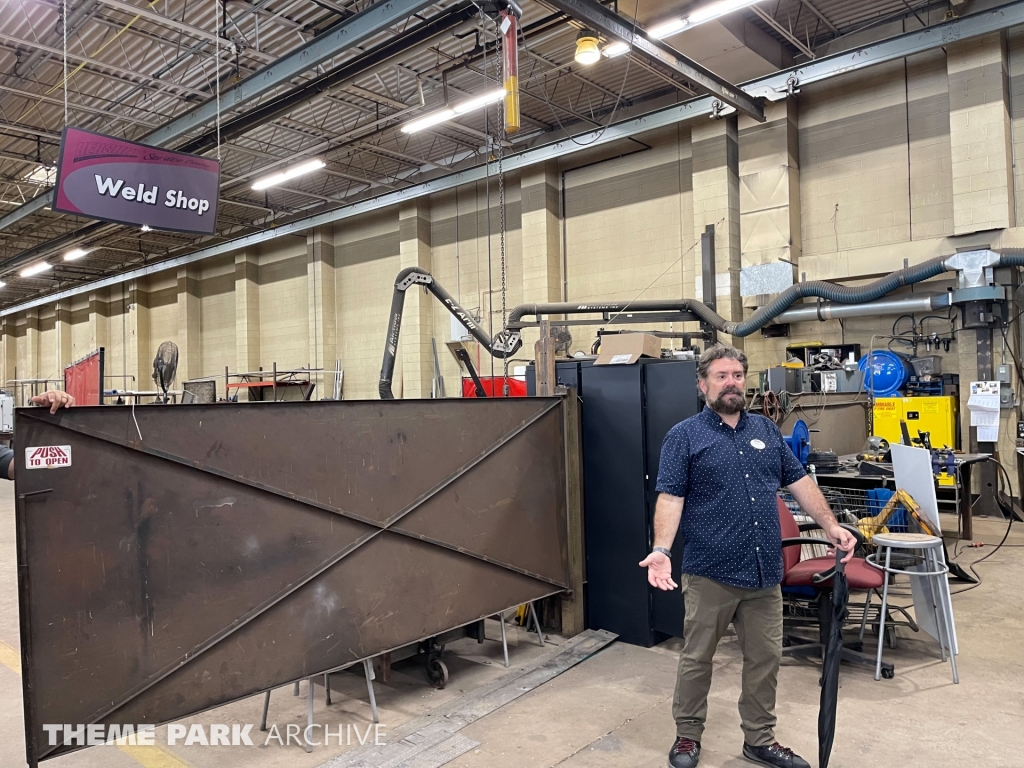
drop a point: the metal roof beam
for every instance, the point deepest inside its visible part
(810, 6)
(344, 37)
(166, 21)
(791, 38)
(774, 87)
(658, 54)
(95, 67)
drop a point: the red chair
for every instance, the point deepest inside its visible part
(817, 574)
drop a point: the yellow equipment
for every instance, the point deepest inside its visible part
(936, 415)
(869, 526)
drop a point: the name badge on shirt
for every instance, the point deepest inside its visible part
(758, 444)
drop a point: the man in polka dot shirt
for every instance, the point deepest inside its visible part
(724, 466)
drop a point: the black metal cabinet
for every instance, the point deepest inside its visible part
(568, 373)
(627, 410)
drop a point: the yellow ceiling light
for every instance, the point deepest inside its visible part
(587, 52)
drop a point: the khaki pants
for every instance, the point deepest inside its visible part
(757, 616)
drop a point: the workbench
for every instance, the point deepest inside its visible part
(260, 383)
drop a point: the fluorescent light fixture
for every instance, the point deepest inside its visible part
(443, 115)
(428, 120)
(679, 23)
(2, 283)
(36, 269)
(42, 174)
(721, 8)
(146, 228)
(74, 254)
(669, 27)
(289, 173)
(479, 101)
(615, 49)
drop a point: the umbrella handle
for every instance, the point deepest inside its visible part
(824, 576)
(839, 567)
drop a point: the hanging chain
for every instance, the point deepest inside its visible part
(499, 64)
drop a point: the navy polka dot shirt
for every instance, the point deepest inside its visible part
(729, 478)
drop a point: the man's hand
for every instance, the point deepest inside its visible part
(659, 571)
(55, 399)
(843, 539)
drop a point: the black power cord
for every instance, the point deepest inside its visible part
(1009, 512)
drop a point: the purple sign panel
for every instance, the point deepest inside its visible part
(124, 182)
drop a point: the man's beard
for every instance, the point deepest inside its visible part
(728, 402)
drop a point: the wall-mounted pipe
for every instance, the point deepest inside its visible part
(828, 310)
(842, 302)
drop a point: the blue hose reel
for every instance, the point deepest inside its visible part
(800, 441)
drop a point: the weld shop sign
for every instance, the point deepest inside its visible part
(110, 179)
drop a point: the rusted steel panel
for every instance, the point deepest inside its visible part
(234, 548)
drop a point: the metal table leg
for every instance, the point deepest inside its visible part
(504, 638)
(309, 715)
(368, 669)
(536, 624)
(266, 708)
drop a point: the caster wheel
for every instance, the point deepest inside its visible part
(890, 637)
(888, 674)
(438, 673)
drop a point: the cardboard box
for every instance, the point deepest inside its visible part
(627, 348)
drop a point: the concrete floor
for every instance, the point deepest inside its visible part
(613, 710)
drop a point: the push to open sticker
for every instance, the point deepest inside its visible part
(48, 457)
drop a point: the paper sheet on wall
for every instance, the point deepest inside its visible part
(984, 407)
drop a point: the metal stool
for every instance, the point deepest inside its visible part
(933, 562)
(370, 677)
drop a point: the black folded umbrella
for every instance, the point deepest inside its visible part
(832, 654)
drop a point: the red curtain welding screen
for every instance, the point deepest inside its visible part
(83, 380)
(494, 387)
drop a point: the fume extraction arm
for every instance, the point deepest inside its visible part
(834, 301)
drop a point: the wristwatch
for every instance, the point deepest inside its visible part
(666, 552)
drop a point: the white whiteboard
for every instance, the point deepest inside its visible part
(913, 469)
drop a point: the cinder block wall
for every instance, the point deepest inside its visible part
(871, 175)
(217, 317)
(367, 259)
(629, 230)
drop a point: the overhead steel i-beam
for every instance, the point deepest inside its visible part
(657, 54)
(350, 33)
(166, 21)
(773, 87)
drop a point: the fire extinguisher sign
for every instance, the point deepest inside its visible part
(48, 457)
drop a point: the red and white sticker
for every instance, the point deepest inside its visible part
(48, 457)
